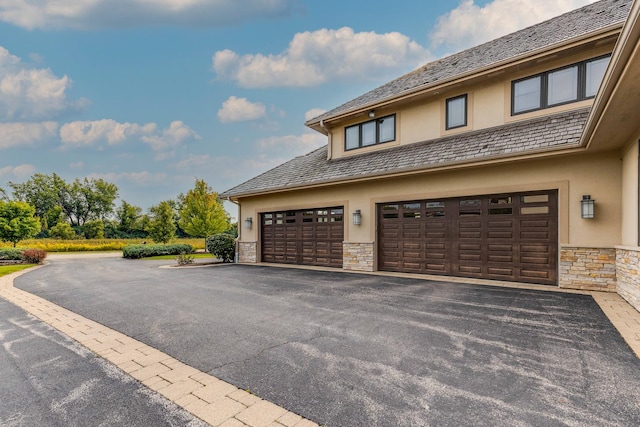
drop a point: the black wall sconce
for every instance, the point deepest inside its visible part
(588, 207)
(357, 217)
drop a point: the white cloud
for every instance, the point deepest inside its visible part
(19, 171)
(193, 161)
(87, 133)
(90, 14)
(312, 58)
(240, 110)
(469, 24)
(313, 113)
(143, 178)
(171, 137)
(29, 93)
(292, 145)
(22, 133)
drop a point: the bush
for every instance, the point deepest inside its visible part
(34, 256)
(11, 254)
(222, 246)
(93, 229)
(62, 230)
(145, 251)
(184, 259)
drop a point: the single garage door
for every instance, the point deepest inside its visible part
(506, 237)
(308, 237)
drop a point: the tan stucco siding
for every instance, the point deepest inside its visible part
(598, 175)
(629, 197)
(489, 105)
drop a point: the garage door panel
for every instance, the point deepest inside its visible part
(507, 236)
(311, 236)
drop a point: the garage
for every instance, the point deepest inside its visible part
(305, 237)
(504, 237)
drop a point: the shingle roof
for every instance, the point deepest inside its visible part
(536, 135)
(571, 25)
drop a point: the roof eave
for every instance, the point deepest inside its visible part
(489, 160)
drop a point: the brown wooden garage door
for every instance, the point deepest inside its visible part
(506, 237)
(309, 237)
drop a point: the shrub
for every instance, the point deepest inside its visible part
(222, 246)
(11, 254)
(184, 259)
(62, 230)
(93, 229)
(34, 256)
(145, 251)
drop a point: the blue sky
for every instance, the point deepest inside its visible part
(152, 94)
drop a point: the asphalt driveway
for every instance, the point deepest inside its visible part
(360, 350)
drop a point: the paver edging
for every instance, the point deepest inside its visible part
(176, 381)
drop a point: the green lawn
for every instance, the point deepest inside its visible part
(8, 269)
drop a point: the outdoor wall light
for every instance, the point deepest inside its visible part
(248, 223)
(372, 114)
(588, 207)
(357, 217)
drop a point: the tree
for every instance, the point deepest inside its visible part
(202, 213)
(43, 192)
(17, 222)
(129, 220)
(85, 200)
(162, 228)
(3, 195)
(62, 231)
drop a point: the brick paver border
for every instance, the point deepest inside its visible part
(212, 400)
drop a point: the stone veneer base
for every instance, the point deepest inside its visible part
(357, 256)
(592, 269)
(248, 252)
(627, 271)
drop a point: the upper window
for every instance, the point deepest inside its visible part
(561, 86)
(369, 133)
(456, 112)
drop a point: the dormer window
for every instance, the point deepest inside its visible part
(573, 83)
(373, 132)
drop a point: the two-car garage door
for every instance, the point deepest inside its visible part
(506, 237)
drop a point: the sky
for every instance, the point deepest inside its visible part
(153, 94)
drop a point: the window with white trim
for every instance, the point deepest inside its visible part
(572, 83)
(376, 131)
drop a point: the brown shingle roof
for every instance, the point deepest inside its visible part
(536, 135)
(565, 27)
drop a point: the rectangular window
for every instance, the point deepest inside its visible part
(527, 95)
(456, 112)
(595, 73)
(370, 133)
(562, 86)
(576, 82)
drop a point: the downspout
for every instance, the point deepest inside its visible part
(329, 134)
(235, 260)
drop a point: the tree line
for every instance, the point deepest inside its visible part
(48, 206)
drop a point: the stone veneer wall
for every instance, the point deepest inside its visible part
(357, 256)
(627, 269)
(591, 269)
(248, 252)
